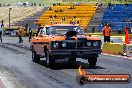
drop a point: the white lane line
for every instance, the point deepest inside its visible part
(6, 83)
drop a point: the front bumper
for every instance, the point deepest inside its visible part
(74, 53)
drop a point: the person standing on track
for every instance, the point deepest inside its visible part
(1, 30)
(106, 32)
(1, 27)
(30, 34)
(20, 35)
(1, 35)
(26, 26)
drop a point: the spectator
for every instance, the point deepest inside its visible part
(78, 22)
(0, 32)
(96, 5)
(49, 8)
(126, 4)
(31, 4)
(71, 7)
(72, 22)
(63, 18)
(54, 4)
(26, 27)
(2, 26)
(54, 16)
(58, 4)
(50, 17)
(1, 35)
(93, 29)
(2, 23)
(34, 4)
(24, 4)
(56, 10)
(101, 4)
(36, 20)
(8, 4)
(77, 4)
(61, 10)
(106, 32)
(39, 4)
(109, 4)
(74, 17)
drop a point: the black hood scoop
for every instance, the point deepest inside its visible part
(81, 38)
(70, 34)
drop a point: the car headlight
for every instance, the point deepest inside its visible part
(64, 44)
(55, 44)
(89, 43)
(95, 44)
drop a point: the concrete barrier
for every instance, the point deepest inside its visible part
(117, 49)
(112, 48)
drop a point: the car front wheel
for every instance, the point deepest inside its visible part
(92, 61)
(50, 62)
(72, 59)
(35, 57)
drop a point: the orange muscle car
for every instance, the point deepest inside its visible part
(65, 41)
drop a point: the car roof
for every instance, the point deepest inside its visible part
(62, 25)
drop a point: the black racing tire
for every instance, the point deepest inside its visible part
(72, 60)
(92, 62)
(35, 56)
(50, 62)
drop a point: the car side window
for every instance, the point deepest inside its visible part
(42, 31)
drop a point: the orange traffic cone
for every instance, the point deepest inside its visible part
(127, 38)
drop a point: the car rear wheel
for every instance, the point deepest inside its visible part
(35, 57)
(50, 62)
(92, 61)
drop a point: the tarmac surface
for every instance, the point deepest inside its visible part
(18, 71)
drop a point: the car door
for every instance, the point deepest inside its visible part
(41, 41)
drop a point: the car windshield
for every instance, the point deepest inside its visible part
(61, 30)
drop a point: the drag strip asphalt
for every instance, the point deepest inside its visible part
(17, 67)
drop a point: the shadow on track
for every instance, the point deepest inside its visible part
(66, 65)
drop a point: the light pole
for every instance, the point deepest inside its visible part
(9, 16)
